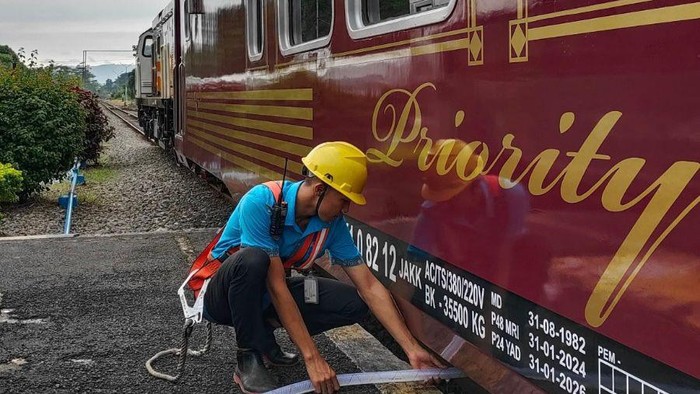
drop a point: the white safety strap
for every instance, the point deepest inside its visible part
(195, 311)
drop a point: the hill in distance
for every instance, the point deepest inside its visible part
(104, 72)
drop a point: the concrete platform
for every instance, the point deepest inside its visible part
(83, 314)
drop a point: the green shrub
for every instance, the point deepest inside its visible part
(97, 130)
(10, 183)
(42, 125)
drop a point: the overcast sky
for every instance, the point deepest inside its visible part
(61, 29)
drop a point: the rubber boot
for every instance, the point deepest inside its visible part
(279, 358)
(251, 374)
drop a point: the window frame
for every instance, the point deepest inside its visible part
(254, 57)
(357, 29)
(284, 26)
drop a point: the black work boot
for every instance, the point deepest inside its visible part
(279, 358)
(251, 374)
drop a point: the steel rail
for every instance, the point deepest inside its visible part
(114, 110)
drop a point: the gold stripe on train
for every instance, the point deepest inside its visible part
(305, 94)
(583, 10)
(269, 158)
(439, 47)
(243, 163)
(263, 125)
(280, 145)
(619, 21)
(401, 43)
(302, 113)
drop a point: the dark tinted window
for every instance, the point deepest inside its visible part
(310, 19)
(375, 11)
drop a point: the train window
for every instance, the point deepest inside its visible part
(254, 28)
(188, 22)
(310, 19)
(368, 18)
(147, 46)
(304, 24)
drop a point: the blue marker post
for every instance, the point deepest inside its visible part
(68, 200)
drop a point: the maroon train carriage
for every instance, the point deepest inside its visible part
(533, 185)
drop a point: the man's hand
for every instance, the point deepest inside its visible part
(421, 359)
(321, 374)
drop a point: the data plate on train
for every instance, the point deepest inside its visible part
(553, 352)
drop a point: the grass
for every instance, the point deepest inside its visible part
(86, 193)
(99, 174)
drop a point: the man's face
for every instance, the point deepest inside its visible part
(333, 204)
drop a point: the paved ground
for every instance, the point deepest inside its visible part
(84, 314)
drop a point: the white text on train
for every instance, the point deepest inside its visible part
(459, 286)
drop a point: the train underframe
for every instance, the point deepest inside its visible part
(156, 117)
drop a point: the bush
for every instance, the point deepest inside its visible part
(97, 128)
(10, 183)
(42, 125)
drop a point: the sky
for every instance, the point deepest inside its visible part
(61, 29)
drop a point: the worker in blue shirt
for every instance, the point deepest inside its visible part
(252, 293)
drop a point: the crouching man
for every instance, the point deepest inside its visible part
(252, 292)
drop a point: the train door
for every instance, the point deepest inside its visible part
(144, 60)
(186, 29)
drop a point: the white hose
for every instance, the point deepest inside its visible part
(357, 379)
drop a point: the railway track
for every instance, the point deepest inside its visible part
(127, 116)
(130, 118)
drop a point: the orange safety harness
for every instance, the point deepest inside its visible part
(205, 265)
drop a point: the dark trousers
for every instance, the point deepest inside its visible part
(237, 296)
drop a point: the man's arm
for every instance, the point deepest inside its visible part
(383, 307)
(321, 374)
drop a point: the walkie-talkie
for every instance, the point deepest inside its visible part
(278, 212)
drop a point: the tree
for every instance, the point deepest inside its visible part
(8, 57)
(124, 82)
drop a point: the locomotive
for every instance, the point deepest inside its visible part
(533, 191)
(154, 76)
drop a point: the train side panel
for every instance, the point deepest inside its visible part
(567, 260)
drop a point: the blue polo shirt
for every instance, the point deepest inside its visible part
(249, 226)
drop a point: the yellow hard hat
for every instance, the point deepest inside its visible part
(340, 165)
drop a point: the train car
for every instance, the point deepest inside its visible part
(534, 182)
(155, 78)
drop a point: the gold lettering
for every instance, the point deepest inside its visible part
(578, 166)
(469, 163)
(398, 127)
(540, 167)
(445, 158)
(624, 265)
